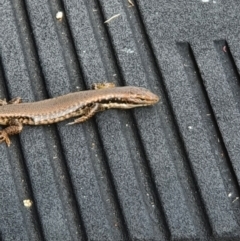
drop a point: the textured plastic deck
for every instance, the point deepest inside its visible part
(167, 172)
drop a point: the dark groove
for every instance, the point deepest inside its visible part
(213, 117)
(142, 32)
(153, 187)
(67, 43)
(119, 72)
(72, 43)
(34, 210)
(24, 172)
(95, 30)
(29, 48)
(196, 69)
(173, 119)
(121, 79)
(111, 182)
(105, 159)
(227, 56)
(155, 64)
(110, 179)
(110, 45)
(41, 82)
(67, 183)
(108, 169)
(136, 132)
(4, 89)
(109, 175)
(64, 167)
(235, 71)
(33, 48)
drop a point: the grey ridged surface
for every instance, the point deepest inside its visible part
(167, 172)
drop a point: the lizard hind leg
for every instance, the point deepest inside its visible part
(89, 112)
(14, 127)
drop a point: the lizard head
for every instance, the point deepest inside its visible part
(129, 97)
(141, 97)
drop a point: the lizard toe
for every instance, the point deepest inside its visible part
(4, 137)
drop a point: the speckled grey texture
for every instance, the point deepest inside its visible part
(167, 172)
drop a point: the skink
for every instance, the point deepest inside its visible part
(82, 104)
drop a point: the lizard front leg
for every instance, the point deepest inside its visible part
(88, 113)
(16, 100)
(14, 127)
(105, 85)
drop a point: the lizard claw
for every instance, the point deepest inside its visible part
(4, 137)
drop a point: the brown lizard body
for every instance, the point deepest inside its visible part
(82, 104)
